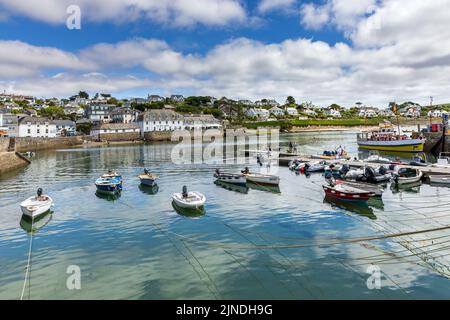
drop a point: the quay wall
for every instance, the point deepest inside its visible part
(434, 142)
(113, 137)
(10, 161)
(158, 136)
(37, 144)
(4, 143)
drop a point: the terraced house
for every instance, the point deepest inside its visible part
(160, 120)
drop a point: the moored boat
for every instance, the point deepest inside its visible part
(237, 179)
(189, 200)
(109, 183)
(376, 190)
(262, 179)
(407, 176)
(148, 179)
(444, 180)
(37, 205)
(346, 193)
(386, 139)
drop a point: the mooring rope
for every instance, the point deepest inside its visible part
(28, 261)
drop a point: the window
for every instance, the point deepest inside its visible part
(29, 131)
(38, 131)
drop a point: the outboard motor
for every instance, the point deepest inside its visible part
(39, 192)
(369, 172)
(392, 167)
(185, 193)
(145, 171)
(217, 171)
(382, 170)
(345, 169)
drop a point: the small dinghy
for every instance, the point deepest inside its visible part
(377, 175)
(261, 179)
(376, 190)
(407, 176)
(316, 166)
(148, 179)
(237, 179)
(444, 180)
(377, 159)
(189, 200)
(37, 205)
(109, 183)
(346, 193)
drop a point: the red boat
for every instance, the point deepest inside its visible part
(347, 193)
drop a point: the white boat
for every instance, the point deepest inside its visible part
(238, 179)
(377, 159)
(407, 175)
(318, 166)
(189, 200)
(374, 189)
(443, 161)
(435, 179)
(37, 205)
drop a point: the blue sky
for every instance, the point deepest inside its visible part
(322, 51)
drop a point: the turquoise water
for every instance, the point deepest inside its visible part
(248, 244)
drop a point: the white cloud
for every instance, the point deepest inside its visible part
(383, 62)
(170, 12)
(269, 5)
(315, 16)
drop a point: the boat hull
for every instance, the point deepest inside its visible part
(108, 188)
(239, 180)
(149, 182)
(198, 202)
(346, 196)
(444, 180)
(33, 209)
(264, 180)
(394, 146)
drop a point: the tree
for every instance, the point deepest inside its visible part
(290, 100)
(52, 112)
(84, 128)
(83, 95)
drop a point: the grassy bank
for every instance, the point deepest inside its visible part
(287, 124)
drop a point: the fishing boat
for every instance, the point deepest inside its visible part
(232, 187)
(189, 200)
(262, 179)
(346, 193)
(376, 190)
(386, 139)
(109, 183)
(148, 179)
(443, 180)
(237, 179)
(338, 154)
(35, 206)
(407, 175)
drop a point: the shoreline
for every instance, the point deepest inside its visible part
(330, 129)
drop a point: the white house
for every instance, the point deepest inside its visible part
(310, 113)
(368, 113)
(155, 98)
(206, 121)
(277, 112)
(160, 120)
(259, 113)
(292, 111)
(114, 128)
(246, 102)
(124, 115)
(177, 98)
(334, 113)
(34, 127)
(386, 113)
(65, 128)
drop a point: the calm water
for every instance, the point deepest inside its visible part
(139, 247)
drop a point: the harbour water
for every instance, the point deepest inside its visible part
(253, 243)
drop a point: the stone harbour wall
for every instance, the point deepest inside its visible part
(10, 161)
(37, 144)
(4, 143)
(158, 136)
(129, 136)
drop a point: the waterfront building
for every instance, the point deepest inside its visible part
(124, 115)
(277, 112)
(34, 127)
(115, 129)
(368, 113)
(260, 113)
(204, 122)
(310, 112)
(99, 112)
(160, 120)
(65, 128)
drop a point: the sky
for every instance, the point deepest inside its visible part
(323, 51)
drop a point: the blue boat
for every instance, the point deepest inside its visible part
(148, 179)
(109, 183)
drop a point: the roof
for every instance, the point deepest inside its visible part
(162, 115)
(63, 122)
(34, 120)
(117, 126)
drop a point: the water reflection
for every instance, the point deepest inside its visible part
(108, 196)
(150, 190)
(265, 188)
(189, 212)
(413, 187)
(360, 208)
(30, 226)
(232, 187)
